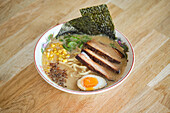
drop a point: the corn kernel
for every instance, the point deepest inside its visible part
(57, 44)
(47, 63)
(65, 60)
(47, 55)
(43, 63)
(60, 56)
(55, 52)
(51, 52)
(60, 46)
(50, 58)
(48, 67)
(67, 56)
(59, 51)
(60, 59)
(48, 49)
(53, 45)
(51, 55)
(64, 52)
(63, 56)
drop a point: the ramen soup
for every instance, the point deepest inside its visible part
(82, 62)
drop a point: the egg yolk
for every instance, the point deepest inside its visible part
(90, 82)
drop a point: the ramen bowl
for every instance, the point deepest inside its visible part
(55, 30)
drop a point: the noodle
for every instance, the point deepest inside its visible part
(70, 63)
(85, 73)
(76, 66)
(71, 59)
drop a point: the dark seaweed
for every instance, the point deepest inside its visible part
(96, 20)
(85, 25)
(68, 29)
(101, 17)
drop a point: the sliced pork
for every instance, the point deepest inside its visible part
(119, 53)
(86, 60)
(102, 61)
(110, 53)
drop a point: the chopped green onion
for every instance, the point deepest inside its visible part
(85, 39)
(61, 40)
(72, 45)
(78, 42)
(81, 45)
(72, 37)
(70, 42)
(50, 37)
(65, 47)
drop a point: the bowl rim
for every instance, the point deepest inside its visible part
(84, 92)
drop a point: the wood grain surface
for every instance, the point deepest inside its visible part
(146, 23)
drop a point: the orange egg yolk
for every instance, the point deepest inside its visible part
(90, 82)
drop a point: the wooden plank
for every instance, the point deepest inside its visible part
(163, 88)
(164, 26)
(10, 7)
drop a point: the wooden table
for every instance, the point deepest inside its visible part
(146, 23)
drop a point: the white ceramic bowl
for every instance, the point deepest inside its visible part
(54, 30)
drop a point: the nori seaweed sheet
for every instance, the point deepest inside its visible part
(101, 16)
(67, 29)
(95, 20)
(85, 25)
(81, 25)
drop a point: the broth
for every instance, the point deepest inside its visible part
(65, 64)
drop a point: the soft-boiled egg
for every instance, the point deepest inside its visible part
(91, 82)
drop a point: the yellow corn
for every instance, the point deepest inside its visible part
(51, 55)
(60, 46)
(59, 51)
(48, 67)
(55, 52)
(43, 62)
(48, 49)
(67, 56)
(50, 59)
(51, 52)
(60, 56)
(57, 44)
(65, 60)
(47, 63)
(47, 55)
(63, 56)
(60, 59)
(53, 45)
(64, 52)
